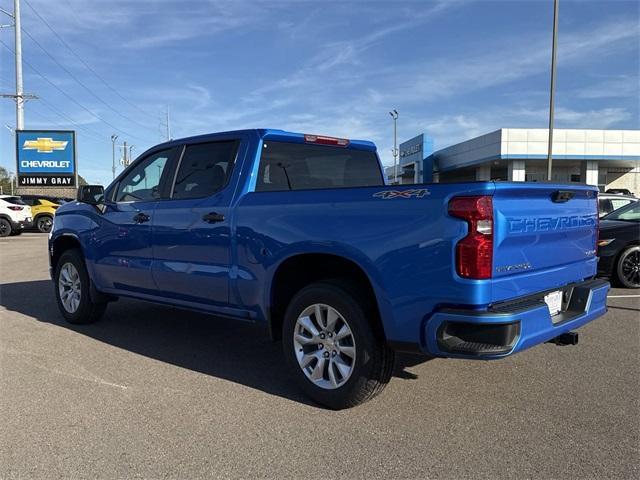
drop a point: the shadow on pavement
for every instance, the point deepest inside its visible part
(232, 350)
(624, 308)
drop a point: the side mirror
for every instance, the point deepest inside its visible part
(91, 194)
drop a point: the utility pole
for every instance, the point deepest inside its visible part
(18, 49)
(394, 116)
(126, 154)
(553, 87)
(125, 161)
(168, 125)
(114, 137)
(19, 96)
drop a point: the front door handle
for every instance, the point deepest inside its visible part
(213, 217)
(141, 218)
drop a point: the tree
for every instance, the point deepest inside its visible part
(5, 180)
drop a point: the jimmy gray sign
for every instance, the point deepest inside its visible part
(46, 158)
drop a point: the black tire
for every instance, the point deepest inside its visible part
(16, 232)
(88, 311)
(627, 268)
(44, 223)
(373, 363)
(5, 227)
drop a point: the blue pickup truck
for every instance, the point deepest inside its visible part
(301, 234)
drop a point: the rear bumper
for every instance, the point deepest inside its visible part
(21, 224)
(513, 326)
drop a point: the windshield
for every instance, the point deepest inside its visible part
(629, 213)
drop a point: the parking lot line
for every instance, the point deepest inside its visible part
(623, 296)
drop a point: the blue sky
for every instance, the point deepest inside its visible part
(453, 69)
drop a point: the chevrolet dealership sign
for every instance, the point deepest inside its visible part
(46, 158)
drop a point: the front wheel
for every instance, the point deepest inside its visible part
(72, 288)
(628, 267)
(331, 342)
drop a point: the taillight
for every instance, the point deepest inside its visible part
(338, 142)
(474, 253)
(15, 209)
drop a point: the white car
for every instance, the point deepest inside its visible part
(15, 216)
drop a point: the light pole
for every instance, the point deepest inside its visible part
(553, 87)
(113, 155)
(394, 116)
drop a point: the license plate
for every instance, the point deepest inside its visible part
(554, 302)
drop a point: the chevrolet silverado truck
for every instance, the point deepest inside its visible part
(300, 233)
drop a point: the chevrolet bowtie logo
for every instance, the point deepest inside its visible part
(44, 145)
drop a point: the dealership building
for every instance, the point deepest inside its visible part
(606, 158)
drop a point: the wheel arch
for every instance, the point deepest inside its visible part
(61, 244)
(42, 214)
(299, 270)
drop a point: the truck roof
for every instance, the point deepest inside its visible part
(266, 134)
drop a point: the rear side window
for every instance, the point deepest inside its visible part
(294, 166)
(204, 169)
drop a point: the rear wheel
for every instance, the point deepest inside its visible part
(338, 356)
(72, 288)
(628, 267)
(44, 223)
(5, 228)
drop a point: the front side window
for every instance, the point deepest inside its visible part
(295, 166)
(617, 203)
(143, 182)
(204, 169)
(630, 213)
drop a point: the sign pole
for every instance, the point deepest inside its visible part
(552, 88)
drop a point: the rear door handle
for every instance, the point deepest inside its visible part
(213, 217)
(141, 218)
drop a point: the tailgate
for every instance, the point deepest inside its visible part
(544, 236)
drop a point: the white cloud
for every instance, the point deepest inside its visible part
(623, 86)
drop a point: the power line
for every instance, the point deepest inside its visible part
(71, 98)
(82, 84)
(85, 63)
(96, 135)
(53, 120)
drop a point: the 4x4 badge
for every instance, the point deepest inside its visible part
(386, 194)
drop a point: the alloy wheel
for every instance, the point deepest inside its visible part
(69, 287)
(44, 224)
(630, 267)
(324, 346)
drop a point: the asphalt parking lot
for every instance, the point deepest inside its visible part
(157, 392)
